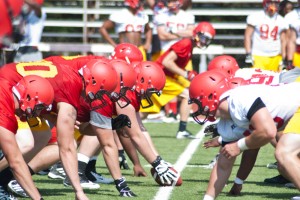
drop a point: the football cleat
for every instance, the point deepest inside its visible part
(84, 182)
(5, 195)
(57, 171)
(184, 135)
(16, 188)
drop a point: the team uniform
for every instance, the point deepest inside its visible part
(172, 23)
(175, 84)
(244, 101)
(66, 81)
(266, 42)
(7, 116)
(293, 20)
(125, 21)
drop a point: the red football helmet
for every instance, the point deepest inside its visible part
(135, 4)
(206, 91)
(150, 79)
(9, 10)
(128, 52)
(203, 34)
(100, 78)
(271, 6)
(224, 62)
(126, 80)
(34, 94)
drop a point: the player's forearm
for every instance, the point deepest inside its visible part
(22, 175)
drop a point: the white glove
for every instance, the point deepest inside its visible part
(165, 174)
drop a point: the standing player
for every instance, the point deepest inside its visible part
(265, 37)
(130, 24)
(173, 62)
(293, 35)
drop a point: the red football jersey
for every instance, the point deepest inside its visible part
(65, 80)
(76, 61)
(7, 107)
(183, 50)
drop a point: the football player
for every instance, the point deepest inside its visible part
(293, 44)
(130, 24)
(250, 107)
(26, 98)
(265, 37)
(93, 81)
(173, 62)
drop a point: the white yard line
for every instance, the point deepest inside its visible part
(164, 193)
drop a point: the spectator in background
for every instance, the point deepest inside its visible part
(6, 23)
(265, 37)
(293, 35)
(285, 7)
(129, 23)
(34, 19)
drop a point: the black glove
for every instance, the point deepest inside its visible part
(248, 58)
(122, 187)
(287, 64)
(120, 121)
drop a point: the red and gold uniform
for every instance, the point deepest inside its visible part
(62, 72)
(175, 84)
(7, 114)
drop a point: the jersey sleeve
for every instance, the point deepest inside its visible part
(251, 20)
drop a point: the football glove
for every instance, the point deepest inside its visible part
(190, 75)
(120, 121)
(248, 58)
(123, 188)
(163, 171)
(287, 64)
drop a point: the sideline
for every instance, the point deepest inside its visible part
(164, 193)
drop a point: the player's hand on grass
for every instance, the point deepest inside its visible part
(236, 190)
(211, 143)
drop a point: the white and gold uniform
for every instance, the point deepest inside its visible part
(266, 42)
(293, 20)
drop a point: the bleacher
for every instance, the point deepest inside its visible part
(72, 25)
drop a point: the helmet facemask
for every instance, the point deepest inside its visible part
(115, 97)
(146, 96)
(203, 114)
(202, 40)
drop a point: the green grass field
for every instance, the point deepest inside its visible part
(194, 177)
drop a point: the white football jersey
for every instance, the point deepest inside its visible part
(258, 76)
(282, 101)
(172, 23)
(293, 20)
(266, 36)
(125, 21)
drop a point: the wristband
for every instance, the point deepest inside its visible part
(238, 181)
(242, 144)
(220, 139)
